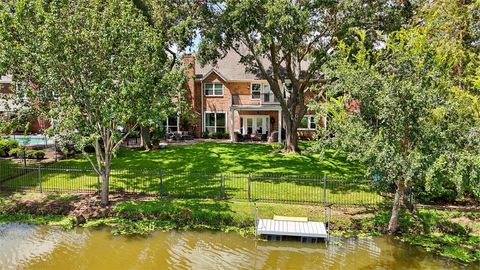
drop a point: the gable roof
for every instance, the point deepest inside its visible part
(213, 70)
(230, 68)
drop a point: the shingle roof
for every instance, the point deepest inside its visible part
(231, 69)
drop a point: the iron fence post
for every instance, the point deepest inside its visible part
(40, 178)
(222, 188)
(249, 188)
(161, 182)
(324, 190)
(325, 195)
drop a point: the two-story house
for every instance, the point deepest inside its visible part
(228, 98)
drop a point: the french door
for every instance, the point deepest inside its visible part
(255, 124)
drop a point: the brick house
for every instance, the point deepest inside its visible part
(226, 97)
(8, 109)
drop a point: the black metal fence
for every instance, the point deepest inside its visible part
(158, 182)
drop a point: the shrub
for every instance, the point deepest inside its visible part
(21, 152)
(18, 152)
(6, 146)
(37, 154)
(218, 135)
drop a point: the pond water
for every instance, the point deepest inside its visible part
(43, 247)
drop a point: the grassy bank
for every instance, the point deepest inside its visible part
(449, 233)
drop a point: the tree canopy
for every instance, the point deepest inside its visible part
(96, 67)
(401, 109)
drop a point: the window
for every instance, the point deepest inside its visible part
(215, 122)
(287, 90)
(213, 89)
(289, 87)
(266, 93)
(256, 90)
(171, 124)
(308, 122)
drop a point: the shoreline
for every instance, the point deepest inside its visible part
(444, 232)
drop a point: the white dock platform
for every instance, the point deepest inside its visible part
(291, 228)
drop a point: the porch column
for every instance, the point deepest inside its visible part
(178, 122)
(280, 121)
(232, 130)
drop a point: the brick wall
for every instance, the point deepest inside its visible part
(223, 103)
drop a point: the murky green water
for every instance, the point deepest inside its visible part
(42, 247)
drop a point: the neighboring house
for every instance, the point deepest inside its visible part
(228, 98)
(6, 102)
(8, 109)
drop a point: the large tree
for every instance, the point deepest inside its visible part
(176, 21)
(95, 67)
(290, 40)
(401, 108)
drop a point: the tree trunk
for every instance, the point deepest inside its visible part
(397, 206)
(291, 136)
(105, 189)
(145, 140)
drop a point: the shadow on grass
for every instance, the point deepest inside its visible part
(196, 171)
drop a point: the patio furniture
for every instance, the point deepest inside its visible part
(185, 135)
(239, 137)
(256, 136)
(175, 136)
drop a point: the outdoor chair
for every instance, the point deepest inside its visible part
(185, 135)
(256, 136)
(239, 137)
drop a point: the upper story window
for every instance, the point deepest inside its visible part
(287, 89)
(213, 89)
(256, 89)
(308, 122)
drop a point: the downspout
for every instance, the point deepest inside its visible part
(202, 116)
(179, 112)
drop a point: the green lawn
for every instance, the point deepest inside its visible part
(3, 165)
(213, 157)
(198, 170)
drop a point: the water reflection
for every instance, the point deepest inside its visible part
(38, 247)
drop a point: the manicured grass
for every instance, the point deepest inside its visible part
(198, 171)
(216, 157)
(3, 164)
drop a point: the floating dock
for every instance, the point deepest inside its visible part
(280, 226)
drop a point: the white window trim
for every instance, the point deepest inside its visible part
(251, 90)
(177, 126)
(311, 118)
(205, 124)
(213, 83)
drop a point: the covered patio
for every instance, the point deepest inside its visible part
(256, 121)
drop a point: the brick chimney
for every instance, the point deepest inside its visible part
(191, 96)
(189, 66)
